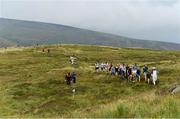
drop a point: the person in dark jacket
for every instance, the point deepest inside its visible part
(138, 74)
(68, 78)
(145, 71)
(73, 77)
(149, 72)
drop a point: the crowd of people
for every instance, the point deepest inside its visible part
(124, 71)
(129, 72)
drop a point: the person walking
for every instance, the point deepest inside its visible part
(154, 75)
(68, 78)
(73, 77)
(145, 71)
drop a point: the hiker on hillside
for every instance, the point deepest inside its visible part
(68, 78)
(103, 66)
(72, 59)
(129, 73)
(154, 75)
(110, 66)
(116, 69)
(148, 76)
(48, 51)
(145, 71)
(73, 77)
(97, 67)
(138, 74)
(124, 70)
(106, 66)
(120, 70)
(113, 72)
(134, 72)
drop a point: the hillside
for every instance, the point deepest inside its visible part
(26, 33)
(32, 83)
(5, 43)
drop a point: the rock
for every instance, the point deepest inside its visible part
(174, 89)
(171, 88)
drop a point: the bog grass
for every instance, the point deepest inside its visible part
(32, 83)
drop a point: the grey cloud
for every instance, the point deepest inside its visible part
(146, 19)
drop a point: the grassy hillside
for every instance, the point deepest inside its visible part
(6, 43)
(32, 83)
(26, 33)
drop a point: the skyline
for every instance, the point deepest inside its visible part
(141, 19)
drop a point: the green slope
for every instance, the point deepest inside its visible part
(28, 33)
(32, 83)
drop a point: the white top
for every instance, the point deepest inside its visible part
(154, 73)
(97, 65)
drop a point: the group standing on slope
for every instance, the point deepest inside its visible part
(124, 71)
(131, 73)
(70, 78)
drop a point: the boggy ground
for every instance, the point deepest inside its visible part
(32, 83)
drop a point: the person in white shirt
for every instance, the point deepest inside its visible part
(154, 75)
(72, 59)
(102, 66)
(97, 67)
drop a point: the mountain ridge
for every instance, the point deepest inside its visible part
(27, 33)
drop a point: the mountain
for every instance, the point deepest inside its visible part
(26, 33)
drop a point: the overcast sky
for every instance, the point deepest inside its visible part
(143, 19)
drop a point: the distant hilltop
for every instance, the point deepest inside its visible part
(27, 33)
